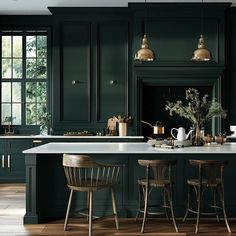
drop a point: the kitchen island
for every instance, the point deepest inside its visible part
(47, 193)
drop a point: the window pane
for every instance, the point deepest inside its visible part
(16, 92)
(17, 46)
(31, 92)
(17, 68)
(6, 92)
(31, 68)
(42, 68)
(41, 108)
(6, 68)
(36, 91)
(41, 91)
(6, 111)
(31, 46)
(30, 114)
(42, 46)
(6, 46)
(16, 112)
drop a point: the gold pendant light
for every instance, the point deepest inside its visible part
(202, 53)
(144, 54)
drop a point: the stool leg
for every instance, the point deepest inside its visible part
(214, 203)
(114, 208)
(188, 202)
(223, 208)
(165, 204)
(90, 212)
(172, 210)
(145, 208)
(139, 201)
(87, 206)
(68, 210)
(199, 196)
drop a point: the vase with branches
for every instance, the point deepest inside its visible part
(197, 110)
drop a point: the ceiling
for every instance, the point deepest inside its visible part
(39, 7)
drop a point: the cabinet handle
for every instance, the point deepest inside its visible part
(37, 141)
(3, 161)
(111, 82)
(9, 161)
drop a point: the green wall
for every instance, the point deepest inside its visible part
(94, 76)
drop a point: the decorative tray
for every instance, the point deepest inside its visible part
(82, 133)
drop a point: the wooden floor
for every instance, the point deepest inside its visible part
(12, 209)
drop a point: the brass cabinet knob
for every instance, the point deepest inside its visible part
(74, 82)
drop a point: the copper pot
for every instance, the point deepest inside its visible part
(158, 128)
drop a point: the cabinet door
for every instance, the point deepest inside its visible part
(75, 71)
(15, 159)
(112, 84)
(3, 161)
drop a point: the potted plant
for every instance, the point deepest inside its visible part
(8, 120)
(197, 110)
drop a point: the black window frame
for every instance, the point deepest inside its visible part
(24, 31)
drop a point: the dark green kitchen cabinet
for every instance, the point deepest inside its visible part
(113, 73)
(91, 67)
(76, 67)
(13, 160)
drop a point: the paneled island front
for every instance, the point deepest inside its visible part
(47, 193)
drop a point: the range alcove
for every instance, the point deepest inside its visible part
(154, 100)
(158, 87)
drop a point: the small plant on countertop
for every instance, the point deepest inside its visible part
(9, 120)
(122, 119)
(197, 110)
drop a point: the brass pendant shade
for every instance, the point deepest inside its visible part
(145, 54)
(202, 53)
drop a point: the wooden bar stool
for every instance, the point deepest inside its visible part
(210, 176)
(83, 174)
(158, 175)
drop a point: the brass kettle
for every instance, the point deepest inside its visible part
(158, 128)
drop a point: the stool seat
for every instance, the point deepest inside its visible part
(154, 183)
(93, 185)
(204, 183)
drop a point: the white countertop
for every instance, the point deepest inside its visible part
(126, 148)
(69, 137)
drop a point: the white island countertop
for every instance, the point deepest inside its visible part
(31, 136)
(126, 148)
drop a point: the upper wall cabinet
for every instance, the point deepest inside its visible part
(173, 31)
(90, 66)
(113, 73)
(75, 71)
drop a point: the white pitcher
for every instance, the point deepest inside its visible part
(181, 133)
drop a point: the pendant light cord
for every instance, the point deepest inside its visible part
(202, 16)
(145, 17)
